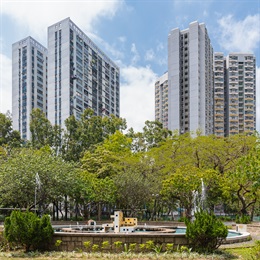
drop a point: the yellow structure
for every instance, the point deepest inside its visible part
(120, 224)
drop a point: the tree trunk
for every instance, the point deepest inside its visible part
(99, 211)
(66, 207)
(53, 211)
(242, 200)
(57, 211)
(252, 212)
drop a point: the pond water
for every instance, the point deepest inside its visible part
(178, 230)
(230, 233)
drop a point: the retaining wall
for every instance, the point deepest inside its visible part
(75, 241)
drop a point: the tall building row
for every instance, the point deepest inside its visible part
(205, 91)
(235, 93)
(71, 75)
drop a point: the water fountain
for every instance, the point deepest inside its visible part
(199, 200)
(203, 195)
(127, 231)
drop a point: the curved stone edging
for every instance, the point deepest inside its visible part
(75, 240)
(245, 236)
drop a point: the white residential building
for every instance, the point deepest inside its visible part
(219, 94)
(161, 100)
(235, 93)
(80, 75)
(190, 80)
(29, 82)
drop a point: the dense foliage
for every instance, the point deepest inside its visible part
(26, 229)
(91, 167)
(206, 233)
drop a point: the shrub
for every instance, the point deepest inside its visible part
(182, 219)
(118, 245)
(158, 248)
(132, 246)
(206, 233)
(95, 247)
(149, 245)
(169, 247)
(255, 251)
(244, 219)
(105, 245)
(26, 229)
(87, 245)
(58, 242)
(142, 247)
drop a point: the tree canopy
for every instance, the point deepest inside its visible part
(91, 166)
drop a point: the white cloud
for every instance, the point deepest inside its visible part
(105, 46)
(137, 96)
(160, 46)
(136, 56)
(37, 15)
(239, 36)
(149, 55)
(5, 83)
(122, 39)
(205, 13)
(158, 56)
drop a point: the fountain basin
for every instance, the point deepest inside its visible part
(73, 237)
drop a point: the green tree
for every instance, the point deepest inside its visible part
(153, 135)
(206, 233)
(181, 185)
(105, 160)
(84, 134)
(134, 189)
(8, 136)
(71, 145)
(100, 166)
(26, 229)
(41, 129)
(243, 184)
(18, 179)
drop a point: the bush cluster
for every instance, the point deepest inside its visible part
(27, 230)
(206, 233)
(244, 219)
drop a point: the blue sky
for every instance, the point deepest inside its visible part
(134, 34)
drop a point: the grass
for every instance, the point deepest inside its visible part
(235, 253)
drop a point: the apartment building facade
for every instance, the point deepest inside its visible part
(190, 80)
(235, 93)
(80, 75)
(161, 100)
(29, 82)
(219, 94)
(72, 75)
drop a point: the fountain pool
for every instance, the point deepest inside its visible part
(127, 231)
(73, 237)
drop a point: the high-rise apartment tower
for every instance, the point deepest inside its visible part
(29, 82)
(80, 75)
(235, 94)
(190, 80)
(219, 94)
(161, 100)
